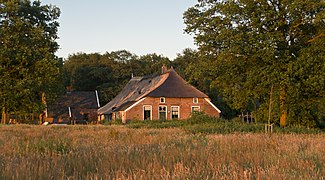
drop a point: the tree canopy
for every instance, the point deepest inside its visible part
(250, 46)
(108, 73)
(28, 65)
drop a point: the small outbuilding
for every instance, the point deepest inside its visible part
(74, 107)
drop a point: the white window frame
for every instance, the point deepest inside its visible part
(171, 112)
(150, 111)
(195, 107)
(159, 111)
(162, 100)
(195, 100)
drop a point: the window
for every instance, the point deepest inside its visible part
(195, 100)
(162, 112)
(175, 112)
(195, 109)
(147, 113)
(162, 100)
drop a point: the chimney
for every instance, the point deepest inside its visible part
(164, 69)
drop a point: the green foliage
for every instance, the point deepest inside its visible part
(108, 73)
(28, 66)
(200, 123)
(197, 71)
(245, 47)
(155, 124)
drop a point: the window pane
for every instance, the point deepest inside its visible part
(195, 109)
(162, 108)
(162, 100)
(147, 108)
(195, 100)
(175, 112)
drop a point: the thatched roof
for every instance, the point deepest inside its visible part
(168, 84)
(176, 87)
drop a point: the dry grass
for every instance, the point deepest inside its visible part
(116, 152)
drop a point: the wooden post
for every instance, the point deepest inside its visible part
(242, 116)
(268, 128)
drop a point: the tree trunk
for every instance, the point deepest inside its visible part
(4, 116)
(41, 119)
(283, 109)
(42, 115)
(270, 105)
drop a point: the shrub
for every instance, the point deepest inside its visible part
(204, 124)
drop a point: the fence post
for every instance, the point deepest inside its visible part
(268, 128)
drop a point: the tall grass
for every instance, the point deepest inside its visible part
(118, 152)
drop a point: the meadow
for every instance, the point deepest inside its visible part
(121, 152)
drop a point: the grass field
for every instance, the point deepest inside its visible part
(119, 152)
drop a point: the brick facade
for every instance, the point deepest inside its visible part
(182, 108)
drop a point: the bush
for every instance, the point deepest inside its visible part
(200, 123)
(158, 124)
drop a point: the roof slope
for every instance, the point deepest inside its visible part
(176, 87)
(134, 90)
(169, 84)
(74, 100)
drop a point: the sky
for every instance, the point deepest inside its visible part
(139, 26)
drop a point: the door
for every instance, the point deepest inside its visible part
(162, 112)
(147, 112)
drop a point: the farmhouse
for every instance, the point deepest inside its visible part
(74, 107)
(165, 96)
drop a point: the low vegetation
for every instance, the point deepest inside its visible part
(120, 152)
(201, 123)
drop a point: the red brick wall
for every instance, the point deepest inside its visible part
(185, 108)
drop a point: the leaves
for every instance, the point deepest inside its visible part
(109, 72)
(28, 64)
(252, 45)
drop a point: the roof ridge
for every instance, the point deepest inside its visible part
(157, 86)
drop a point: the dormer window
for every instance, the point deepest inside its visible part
(162, 100)
(195, 100)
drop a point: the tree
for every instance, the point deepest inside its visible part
(108, 73)
(28, 67)
(198, 71)
(257, 44)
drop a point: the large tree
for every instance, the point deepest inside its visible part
(28, 66)
(253, 45)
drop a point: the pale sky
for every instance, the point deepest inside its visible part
(139, 26)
